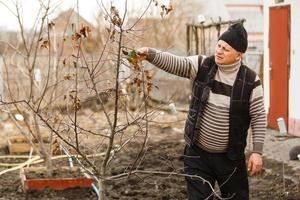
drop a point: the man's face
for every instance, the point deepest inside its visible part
(225, 54)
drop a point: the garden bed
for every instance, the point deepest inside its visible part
(36, 178)
(162, 155)
(19, 144)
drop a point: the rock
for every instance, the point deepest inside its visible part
(295, 153)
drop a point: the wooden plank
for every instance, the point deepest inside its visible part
(15, 148)
(19, 144)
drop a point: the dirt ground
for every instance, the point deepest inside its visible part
(164, 153)
(162, 156)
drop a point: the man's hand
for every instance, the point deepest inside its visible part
(143, 52)
(254, 164)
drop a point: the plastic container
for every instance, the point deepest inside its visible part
(281, 126)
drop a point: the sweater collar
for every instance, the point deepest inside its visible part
(230, 68)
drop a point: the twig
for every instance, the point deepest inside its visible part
(19, 166)
(125, 175)
(229, 177)
(111, 141)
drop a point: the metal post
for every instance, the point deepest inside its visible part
(203, 40)
(1, 78)
(196, 39)
(188, 40)
(192, 30)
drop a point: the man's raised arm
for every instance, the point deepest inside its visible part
(186, 67)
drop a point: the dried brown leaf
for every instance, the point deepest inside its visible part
(169, 9)
(67, 77)
(76, 36)
(85, 31)
(51, 25)
(64, 62)
(45, 44)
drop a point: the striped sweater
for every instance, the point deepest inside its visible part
(214, 124)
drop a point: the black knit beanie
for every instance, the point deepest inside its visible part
(236, 37)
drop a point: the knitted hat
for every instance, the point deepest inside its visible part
(236, 37)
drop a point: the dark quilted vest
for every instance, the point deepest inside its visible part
(239, 117)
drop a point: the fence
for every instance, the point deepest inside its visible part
(1, 77)
(202, 39)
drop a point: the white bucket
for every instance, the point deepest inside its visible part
(281, 126)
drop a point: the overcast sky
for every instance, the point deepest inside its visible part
(87, 8)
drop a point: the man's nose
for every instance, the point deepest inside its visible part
(219, 51)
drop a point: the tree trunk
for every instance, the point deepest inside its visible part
(101, 188)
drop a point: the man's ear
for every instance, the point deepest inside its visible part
(239, 56)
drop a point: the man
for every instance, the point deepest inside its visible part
(227, 97)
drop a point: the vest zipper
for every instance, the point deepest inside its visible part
(245, 72)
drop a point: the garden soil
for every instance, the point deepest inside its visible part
(164, 152)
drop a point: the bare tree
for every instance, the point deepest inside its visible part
(51, 77)
(50, 86)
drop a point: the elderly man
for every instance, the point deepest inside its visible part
(227, 97)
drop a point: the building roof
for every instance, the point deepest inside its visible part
(69, 17)
(192, 8)
(248, 2)
(251, 10)
(209, 9)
